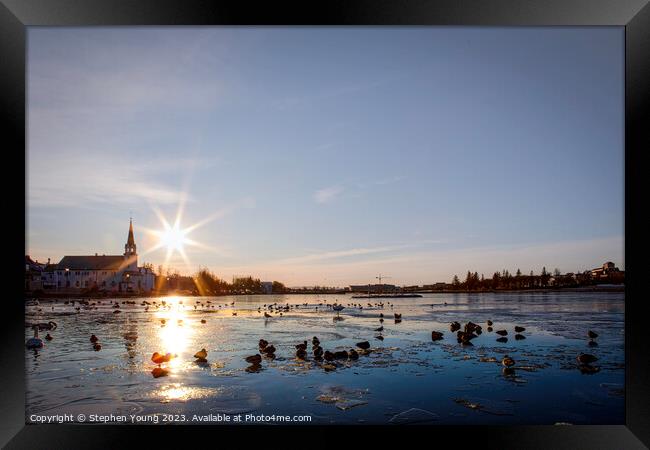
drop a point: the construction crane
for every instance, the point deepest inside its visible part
(381, 286)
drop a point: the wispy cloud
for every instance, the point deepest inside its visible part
(82, 179)
(361, 251)
(328, 194)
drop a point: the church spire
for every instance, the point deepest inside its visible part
(130, 247)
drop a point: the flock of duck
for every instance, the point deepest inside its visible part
(325, 358)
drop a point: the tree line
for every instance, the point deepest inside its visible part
(506, 280)
(205, 282)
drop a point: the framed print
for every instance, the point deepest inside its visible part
(421, 218)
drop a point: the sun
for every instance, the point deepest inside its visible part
(173, 238)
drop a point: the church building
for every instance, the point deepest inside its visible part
(101, 273)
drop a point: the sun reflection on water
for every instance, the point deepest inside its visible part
(179, 392)
(174, 335)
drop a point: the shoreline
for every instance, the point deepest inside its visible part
(56, 296)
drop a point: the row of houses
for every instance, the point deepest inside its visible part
(92, 273)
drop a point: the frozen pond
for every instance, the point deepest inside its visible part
(405, 378)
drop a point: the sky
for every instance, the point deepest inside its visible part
(328, 156)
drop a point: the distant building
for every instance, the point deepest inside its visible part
(440, 286)
(373, 288)
(606, 269)
(267, 287)
(100, 273)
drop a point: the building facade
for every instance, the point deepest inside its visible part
(97, 273)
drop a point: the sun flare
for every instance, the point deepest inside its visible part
(173, 238)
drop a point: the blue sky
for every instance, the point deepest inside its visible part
(330, 155)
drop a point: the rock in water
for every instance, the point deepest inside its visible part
(592, 335)
(501, 332)
(519, 329)
(502, 340)
(363, 345)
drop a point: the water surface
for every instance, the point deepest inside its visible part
(406, 378)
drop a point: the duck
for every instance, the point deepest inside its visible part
(267, 315)
(329, 356)
(302, 346)
(97, 346)
(489, 323)
(269, 350)
(301, 353)
(398, 316)
(342, 354)
(502, 332)
(34, 342)
(201, 355)
(507, 361)
(263, 344)
(364, 345)
(318, 352)
(380, 329)
(454, 326)
(93, 338)
(592, 335)
(315, 341)
(203, 320)
(353, 354)
(48, 337)
(159, 358)
(586, 358)
(519, 329)
(253, 359)
(436, 335)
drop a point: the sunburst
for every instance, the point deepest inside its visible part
(174, 237)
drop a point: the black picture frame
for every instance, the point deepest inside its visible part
(634, 15)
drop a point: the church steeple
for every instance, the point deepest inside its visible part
(130, 247)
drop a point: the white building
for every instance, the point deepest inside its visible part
(102, 273)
